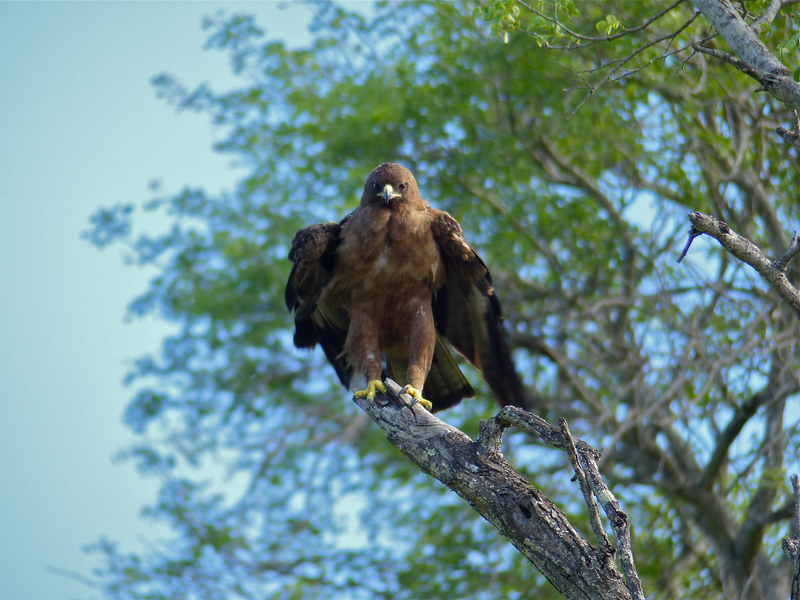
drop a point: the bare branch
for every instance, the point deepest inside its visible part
(791, 137)
(477, 472)
(739, 64)
(747, 252)
(728, 435)
(796, 490)
(513, 416)
(793, 250)
(619, 520)
(619, 524)
(591, 505)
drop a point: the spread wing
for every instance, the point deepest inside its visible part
(313, 253)
(467, 312)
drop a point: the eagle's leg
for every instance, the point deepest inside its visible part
(421, 342)
(362, 350)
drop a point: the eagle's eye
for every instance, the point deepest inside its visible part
(402, 187)
(375, 185)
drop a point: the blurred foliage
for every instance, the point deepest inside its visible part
(571, 170)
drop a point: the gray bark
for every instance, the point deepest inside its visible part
(477, 471)
(755, 59)
(774, 272)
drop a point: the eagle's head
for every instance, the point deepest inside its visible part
(393, 186)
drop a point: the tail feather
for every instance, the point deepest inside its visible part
(445, 385)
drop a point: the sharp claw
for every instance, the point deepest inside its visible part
(405, 390)
(372, 386)
(416, 396)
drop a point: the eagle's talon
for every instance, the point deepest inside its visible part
(416, 396)
(372, 386)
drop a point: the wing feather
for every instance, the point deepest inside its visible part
(468, 315)
(313, 253)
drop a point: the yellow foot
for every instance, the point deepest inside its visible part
(375, 384)
(417, 396)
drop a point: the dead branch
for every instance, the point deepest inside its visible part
(477, 471)
(791, 137)
(746, 251)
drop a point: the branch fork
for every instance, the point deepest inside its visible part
(477, 471)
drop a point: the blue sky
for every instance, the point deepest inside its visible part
(80, 128)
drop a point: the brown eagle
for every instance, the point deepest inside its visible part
(396, 280)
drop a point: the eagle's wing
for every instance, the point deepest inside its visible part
(313, 253)
(467, 312)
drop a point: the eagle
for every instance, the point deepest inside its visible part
(395, 282)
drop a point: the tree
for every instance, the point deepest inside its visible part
(571, 160)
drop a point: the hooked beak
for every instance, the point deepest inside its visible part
(388, 193)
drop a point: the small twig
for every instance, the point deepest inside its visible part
(623, 61)
(619, 525)
(739, 64)
(748, 252)
(594, 514)
(791, 137)
(592, 39)
(693, 233)
(794, 249)
(767, 80)
(791, 546)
